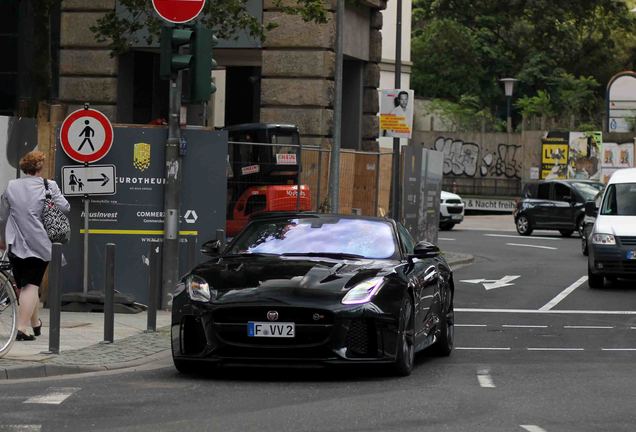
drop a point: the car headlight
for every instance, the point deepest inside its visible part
(603, 239)
(198, 289)
(364, 291)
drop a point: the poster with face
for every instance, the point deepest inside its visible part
(396, 113)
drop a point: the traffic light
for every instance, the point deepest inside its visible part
(199, 61)
(201, 86)
(171, 60)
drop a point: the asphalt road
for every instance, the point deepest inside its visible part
(544, 353)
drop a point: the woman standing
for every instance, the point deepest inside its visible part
(21, 230)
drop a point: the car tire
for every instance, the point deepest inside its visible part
(447, 226)
(566, 233)
(524, 226)
(405, 356)
(584, 245)
(444, 345)
(186, 367)
(594, 280)
(579, 226)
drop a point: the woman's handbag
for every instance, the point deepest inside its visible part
(56, 224)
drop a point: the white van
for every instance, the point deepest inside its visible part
(612, 243)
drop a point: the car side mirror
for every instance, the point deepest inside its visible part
(425, 249)
(214, 247)
(590, 209)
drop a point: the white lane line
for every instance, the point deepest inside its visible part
(470, 325)
(556, 349)
(20, 428)
(484, 378)
(549, 312)
(525, 238)
(523, 326)
(446, 239)
(484, 348)
(588, 327)
(563, 294)
(618, 349)
(53, 395)
(533, 428)
(532, 246)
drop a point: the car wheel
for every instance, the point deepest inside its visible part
(524, 227)
(579, 227)
(566, 233)
(444, 344)
(594, 280)
(405, 357)
(186, 367)
(584, 245)
(447, 226)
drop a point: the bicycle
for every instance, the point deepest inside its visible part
(8, 306)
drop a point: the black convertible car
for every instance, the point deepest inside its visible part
(310, 288)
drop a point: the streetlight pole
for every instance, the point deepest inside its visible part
(334, 166)
(509, 85)
(395, 178)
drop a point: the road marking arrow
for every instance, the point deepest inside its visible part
(104, 179)
(492, 284)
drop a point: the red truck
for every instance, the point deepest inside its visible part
(264, 165)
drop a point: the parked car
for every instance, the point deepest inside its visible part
(311, 288)
(451, 210)
(554, 205)
(612, 245)
(588, 222)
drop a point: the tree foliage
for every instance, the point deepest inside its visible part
(135, 21)
(563, 48)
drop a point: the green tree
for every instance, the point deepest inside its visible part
(135, 20)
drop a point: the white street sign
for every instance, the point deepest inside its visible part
(88, 180)
(492, 284)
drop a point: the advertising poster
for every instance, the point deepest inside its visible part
(554, 157)
(615, 156)
(132, 218)
(396, 113)
(584, 155)
(18, 136)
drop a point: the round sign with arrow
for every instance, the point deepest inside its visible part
(86, 135)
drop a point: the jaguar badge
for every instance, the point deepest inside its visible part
(272, 315)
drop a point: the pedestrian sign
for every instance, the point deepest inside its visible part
(86, 135)
(88, 180)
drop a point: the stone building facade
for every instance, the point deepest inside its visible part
(295, 69)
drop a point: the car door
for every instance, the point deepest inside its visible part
(422, 276)
(539, 207)
(562, 213)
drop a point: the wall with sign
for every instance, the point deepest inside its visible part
(422, 186)
(133, 217)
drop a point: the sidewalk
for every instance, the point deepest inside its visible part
(81, 349)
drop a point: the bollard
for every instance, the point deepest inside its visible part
(220, 236)
(192, 252)
(109, 294)
(55, 298)
(154, 279)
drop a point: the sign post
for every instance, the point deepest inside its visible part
(86, 136)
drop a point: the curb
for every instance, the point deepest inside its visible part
(460, 260)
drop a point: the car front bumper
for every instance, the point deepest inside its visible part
(611, 260)
(360, 334)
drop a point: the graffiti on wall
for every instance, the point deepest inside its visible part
(469, 159)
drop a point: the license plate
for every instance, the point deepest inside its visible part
(456, 216)
(268, 329)
(631, 255)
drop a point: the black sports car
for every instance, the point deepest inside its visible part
(310, 288)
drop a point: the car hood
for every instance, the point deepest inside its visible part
(447, 195)
(617, 225)
(279, 279)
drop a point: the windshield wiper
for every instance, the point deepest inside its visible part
(246, 254)
(324, 254)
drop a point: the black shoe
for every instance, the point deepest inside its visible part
(37, 331)
(24, 337)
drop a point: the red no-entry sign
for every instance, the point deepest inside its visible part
(86, 135)
(178, 11)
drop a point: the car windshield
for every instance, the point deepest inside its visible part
(620, 200)
(326, 236)
(589, 191)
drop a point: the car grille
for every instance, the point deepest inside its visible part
(628, 241)
(454, 210)
(312, 326)
(619, 266)
(361, 339)
(453, 201)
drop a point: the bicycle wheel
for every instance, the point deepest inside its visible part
(8, 314)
